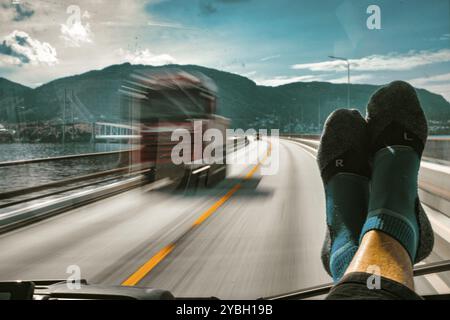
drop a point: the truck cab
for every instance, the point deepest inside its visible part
(160, 104)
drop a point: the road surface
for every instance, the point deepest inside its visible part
(260, 238)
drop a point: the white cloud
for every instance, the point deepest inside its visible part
(361, 78)
(270, 58)
(19, 48)
(438, 84)
(76, 34)
(442, 89)
(167, 25)
(433, 79)
(393, 61)
(281, 80)
(145, 57)
(249, 74)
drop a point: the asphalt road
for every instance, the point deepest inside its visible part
(250, 236)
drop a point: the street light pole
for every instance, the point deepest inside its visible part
(348, 77)
(64, 118)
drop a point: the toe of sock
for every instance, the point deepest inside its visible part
(344, 130)
(396, 102)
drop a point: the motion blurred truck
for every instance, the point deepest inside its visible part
(159, 104)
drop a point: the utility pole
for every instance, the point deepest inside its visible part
(72, 114)
(64, 118)
(18, 122)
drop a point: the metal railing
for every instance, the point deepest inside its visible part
(122, 169)
(69, 157)
(110, 175)
(16, 193)
(92, 187)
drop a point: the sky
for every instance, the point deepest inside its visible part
(272, 42)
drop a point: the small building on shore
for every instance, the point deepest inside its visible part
(5, 135)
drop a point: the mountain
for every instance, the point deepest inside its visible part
(12, 98)
(8, 88)
(295, 107)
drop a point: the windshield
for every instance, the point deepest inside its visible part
(171, 105)
(176, 144)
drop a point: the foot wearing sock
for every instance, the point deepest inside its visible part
(393, 194)
(344, 167)
(398, 131)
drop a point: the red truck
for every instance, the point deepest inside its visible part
(159, 104)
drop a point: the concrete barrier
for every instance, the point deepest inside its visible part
(434, 178)
(434, 193)
(45, 209)
(437, 148)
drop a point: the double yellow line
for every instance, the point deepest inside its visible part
(145, 269)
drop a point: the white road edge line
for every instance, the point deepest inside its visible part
(309, 150)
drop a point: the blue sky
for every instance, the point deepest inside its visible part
(271, 42)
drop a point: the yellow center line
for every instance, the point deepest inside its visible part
(148, 266)
(216, 205)
(145, 269)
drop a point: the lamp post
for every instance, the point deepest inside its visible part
(348, 77)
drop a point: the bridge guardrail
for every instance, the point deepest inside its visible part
(23, 216)
(233, 145)
(434, 181)
(131, 178)
(434, 193)
(69, 157)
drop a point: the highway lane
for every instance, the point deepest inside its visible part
(264, 239)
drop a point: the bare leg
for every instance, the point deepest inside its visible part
(384, 252)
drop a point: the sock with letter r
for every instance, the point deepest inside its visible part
(343, 159)
(346, 203)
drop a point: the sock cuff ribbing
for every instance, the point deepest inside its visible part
(395, 226)
(340, 260)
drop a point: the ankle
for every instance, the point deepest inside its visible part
(383, 255)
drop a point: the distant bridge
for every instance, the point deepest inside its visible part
(114, 131)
